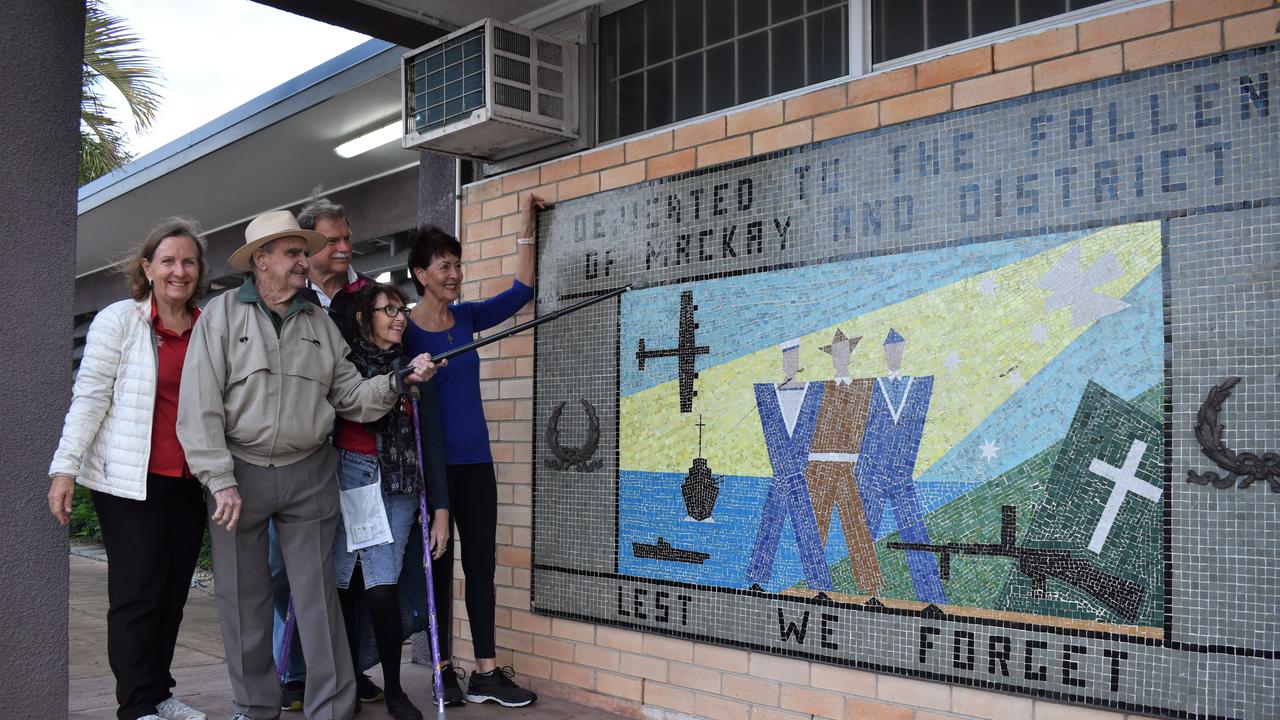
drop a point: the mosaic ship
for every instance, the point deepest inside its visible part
(700, 488)
(663, 550)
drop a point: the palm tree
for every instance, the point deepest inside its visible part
(112, 60)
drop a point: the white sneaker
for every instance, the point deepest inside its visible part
(150, 717)
(175, 709)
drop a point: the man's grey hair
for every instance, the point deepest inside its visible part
(319, 209)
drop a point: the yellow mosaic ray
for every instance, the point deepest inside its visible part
(982, 338)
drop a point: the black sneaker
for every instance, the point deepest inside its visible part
(451, 678)
(400, 708)
(497, 686)
(367, 691)
(291, 695)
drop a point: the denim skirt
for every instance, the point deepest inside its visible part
(380, 564)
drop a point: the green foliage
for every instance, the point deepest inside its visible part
(84, 520)
(96, 158)
(84, 526)
(112, 63)
(205, 561)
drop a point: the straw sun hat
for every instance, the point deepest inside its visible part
(273, 226)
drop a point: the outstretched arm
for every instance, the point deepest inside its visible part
(528, 232)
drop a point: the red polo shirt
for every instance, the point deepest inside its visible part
(167, 457)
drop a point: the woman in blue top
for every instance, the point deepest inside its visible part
(439, 323)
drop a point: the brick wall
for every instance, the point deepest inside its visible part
(639, 674)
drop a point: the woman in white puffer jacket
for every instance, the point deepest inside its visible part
(119, 440)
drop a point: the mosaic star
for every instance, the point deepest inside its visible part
(1072, 285)
(987, 286)
(1039, 334)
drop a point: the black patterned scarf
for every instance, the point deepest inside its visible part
(397, 450)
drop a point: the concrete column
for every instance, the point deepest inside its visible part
(436, 201)
(436, 206)
(41, 47)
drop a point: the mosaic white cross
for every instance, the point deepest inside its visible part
(1126, 480)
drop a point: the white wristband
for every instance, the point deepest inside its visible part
(524, 241)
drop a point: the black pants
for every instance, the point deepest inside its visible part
(152, 546)
(473, 505)
(383, 604)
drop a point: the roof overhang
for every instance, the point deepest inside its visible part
(410, 22)
(272, 151)
(265, 154)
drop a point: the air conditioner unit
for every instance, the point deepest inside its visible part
(490, 91)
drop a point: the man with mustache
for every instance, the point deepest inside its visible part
(332, 281)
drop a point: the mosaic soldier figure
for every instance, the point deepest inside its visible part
(788, 413)
(837, 437)
(887, 461)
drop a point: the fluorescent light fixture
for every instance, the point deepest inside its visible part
(369, 141)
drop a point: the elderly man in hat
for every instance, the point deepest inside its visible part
(331, 283)
(837, 437)
(266, 373)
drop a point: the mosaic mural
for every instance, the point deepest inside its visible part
(924, 400)
(813, 460)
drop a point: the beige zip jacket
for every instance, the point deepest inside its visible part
(268, 400)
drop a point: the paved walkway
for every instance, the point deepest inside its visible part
(201, 673)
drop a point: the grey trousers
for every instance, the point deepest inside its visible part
(302, 499)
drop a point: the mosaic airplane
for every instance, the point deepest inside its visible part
(686, 352)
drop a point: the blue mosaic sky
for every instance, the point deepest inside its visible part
(844, 289)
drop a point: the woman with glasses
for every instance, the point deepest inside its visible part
(440, 323)
(380, 478)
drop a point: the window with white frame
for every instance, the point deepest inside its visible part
(662, 61)
(906, 27)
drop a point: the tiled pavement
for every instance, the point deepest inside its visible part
(201, 673)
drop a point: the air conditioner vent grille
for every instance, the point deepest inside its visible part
(550, 80)
(516, 98)
(511, 69)
(509, 42)
(551, 106)
(550, 53)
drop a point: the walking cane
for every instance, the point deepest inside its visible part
(432, 627)
(283, 663)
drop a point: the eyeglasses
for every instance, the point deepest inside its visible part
(392, 310)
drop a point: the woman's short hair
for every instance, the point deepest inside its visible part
(139, 285)
(427, 244)
(360, 310)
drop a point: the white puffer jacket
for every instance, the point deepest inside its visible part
(106, 437)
